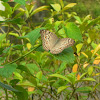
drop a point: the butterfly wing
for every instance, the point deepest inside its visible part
(61, 45)
(48, 39)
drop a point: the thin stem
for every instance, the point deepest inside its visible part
(6, 94)
(72, 93)
(23, 55)
(2, 30)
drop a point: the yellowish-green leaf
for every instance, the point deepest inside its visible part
(88, 79)
(90, 70)
(14, 34)
(39, 9)
(39, 75)
(85, 54)
(18, 76)
(89, 40)
(79, 46)
(85, 79)
(62, 3)
(56, 7)
(86, 18)
(83, 75)
(60, 76)
(60, 89)
(96, 50)
(69, 6)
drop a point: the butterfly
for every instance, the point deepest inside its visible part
(51, 42)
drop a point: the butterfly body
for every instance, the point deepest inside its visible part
(51, 42)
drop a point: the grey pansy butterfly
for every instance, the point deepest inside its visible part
(51, 42)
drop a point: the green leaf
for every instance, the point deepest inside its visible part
(23, 94)
(27, 73)
(78, 19)
(8, 87)
(62, 67)
(2, 36)
(56, 7)
(33, 35)
(22, 2)
(8, 10)
(17, 47)
(67, 55)
(8, 70)
(83, 75)
(57, 23)
(32, 68)
(14, 21)
(84, 89)
(72, 31)
(5, 0)
(60, 76)
(95, 21)
(19, 14)
(72, 77)
(60, 89)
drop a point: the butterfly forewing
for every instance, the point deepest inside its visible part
(48, 39)
(61, 45)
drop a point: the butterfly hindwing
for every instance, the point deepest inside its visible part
(61, 45)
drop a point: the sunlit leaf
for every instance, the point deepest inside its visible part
(28, 46)
(79, 46)
(14, 34)
(69, 6)
(85, 65)
(39, 9)
(56, 7)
